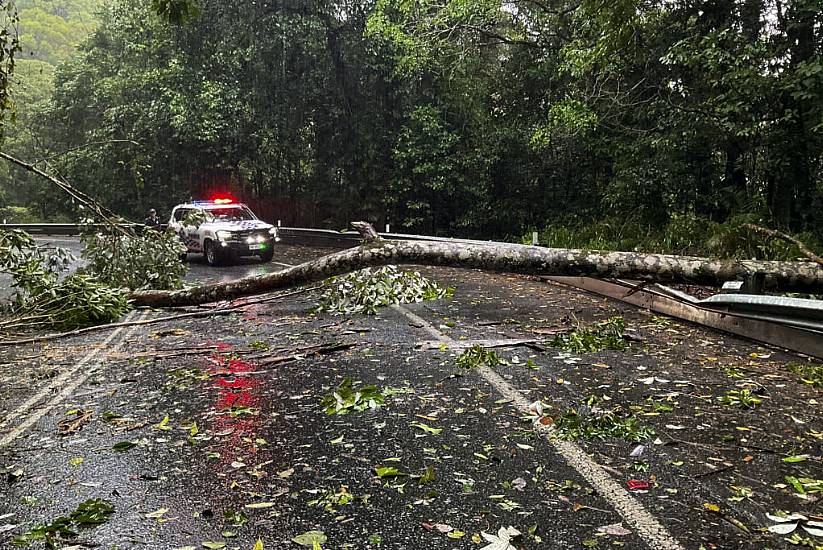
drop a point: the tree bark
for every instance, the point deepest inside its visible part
(499, 257)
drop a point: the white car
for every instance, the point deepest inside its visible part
(222, 229)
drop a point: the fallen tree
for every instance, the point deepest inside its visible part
(500, 257)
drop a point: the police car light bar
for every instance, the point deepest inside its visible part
(213, 201)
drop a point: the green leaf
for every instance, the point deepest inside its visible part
(213, 545)
(427, 429)
(310, 538)
(389, 471)
(124, 446)
(163, 425)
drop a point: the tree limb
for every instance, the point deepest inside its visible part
(500, 257)
(788, 238)
(75, 193)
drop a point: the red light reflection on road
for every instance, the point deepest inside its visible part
(238, 419)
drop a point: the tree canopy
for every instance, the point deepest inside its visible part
(463, 117)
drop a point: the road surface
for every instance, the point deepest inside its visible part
(213, 432)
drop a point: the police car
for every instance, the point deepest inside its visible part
(222, 229)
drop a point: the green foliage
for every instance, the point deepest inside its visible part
(176, 11)
(45, 300)
(601, 424)
(602, 335)
(683, 234)
(17, 214)
(346, 398)
(77, 301)
(805, 485)
(743, 399)
(90, 513)
(148, 260)
(9, 46)
(616, 125)
(369, 289)
(809, 374)
(477, 356)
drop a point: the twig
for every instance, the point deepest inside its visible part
(788, 238)
(713, 472)
(299, 353)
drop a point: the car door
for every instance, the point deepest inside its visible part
(186, 231)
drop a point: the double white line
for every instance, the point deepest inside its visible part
(65, 384)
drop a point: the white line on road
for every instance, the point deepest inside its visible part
(646, 525)
(63, 381)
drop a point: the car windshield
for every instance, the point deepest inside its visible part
(237, 213)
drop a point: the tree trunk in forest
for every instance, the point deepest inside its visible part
(499, 257)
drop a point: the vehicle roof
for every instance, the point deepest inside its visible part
(207, 205)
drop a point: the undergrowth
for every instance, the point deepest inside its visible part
(367, 290)
(684, 234)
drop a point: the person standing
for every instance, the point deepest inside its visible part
(152, 220)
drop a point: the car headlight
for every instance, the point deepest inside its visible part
(273, 231)
(224, 235)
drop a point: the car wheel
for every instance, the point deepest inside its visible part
(212, 254)
(267, 255)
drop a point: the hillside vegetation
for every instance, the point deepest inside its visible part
(656, 124)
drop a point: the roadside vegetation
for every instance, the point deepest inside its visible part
(456, 119)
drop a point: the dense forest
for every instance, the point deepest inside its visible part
(622, 124)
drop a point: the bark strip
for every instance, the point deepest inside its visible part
(501, 257)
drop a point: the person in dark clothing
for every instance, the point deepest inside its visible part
(152, 220)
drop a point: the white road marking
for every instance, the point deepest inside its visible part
(63, 381)
(634, 514)
(282, 264)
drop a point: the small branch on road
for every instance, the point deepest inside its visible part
(230, 308)
(299, 353)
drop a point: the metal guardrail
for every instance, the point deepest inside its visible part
(61, 229)
(799, 330)
(289, 235)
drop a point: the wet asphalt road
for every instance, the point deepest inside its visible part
(224, 442)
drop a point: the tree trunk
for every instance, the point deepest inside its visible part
(499, 257)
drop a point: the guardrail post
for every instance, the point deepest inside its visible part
(388, 228)
(535, 238)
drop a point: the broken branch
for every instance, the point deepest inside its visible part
(788, 238)
(501, 257)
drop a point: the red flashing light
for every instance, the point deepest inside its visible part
(222, 199)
